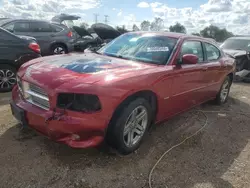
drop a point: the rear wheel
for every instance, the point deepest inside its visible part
(58, 49)
(128, 131)
(222, 96)
(7, 78)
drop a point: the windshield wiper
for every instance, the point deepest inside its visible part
(118, 56)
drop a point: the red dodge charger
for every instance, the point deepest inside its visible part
(118, 92)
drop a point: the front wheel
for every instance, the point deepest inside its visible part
(222, 96)
(7, 78)
(129, 129)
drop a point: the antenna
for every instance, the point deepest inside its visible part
(106, 19)
(96, 18)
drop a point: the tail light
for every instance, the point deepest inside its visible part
(70, 34)
(35, 47)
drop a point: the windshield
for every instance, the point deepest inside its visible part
(68, 23)
(141, 47)
(236, 44)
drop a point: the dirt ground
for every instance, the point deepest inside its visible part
(218, 157)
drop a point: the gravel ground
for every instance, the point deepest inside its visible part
(218, 157)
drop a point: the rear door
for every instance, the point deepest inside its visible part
(44, 33)
(213, 69)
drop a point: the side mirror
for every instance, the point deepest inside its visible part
(189, 59)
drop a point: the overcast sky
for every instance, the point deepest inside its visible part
(194, 14)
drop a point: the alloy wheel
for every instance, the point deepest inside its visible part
(59, 50)
(7, 79)
(135, 126)
(224, 91)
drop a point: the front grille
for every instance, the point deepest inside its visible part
(35, 95)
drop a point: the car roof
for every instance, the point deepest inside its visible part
(176, 35)
(24, 20)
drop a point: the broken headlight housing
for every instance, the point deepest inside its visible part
(78, 102)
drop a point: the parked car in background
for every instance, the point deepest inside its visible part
(101, 35)
(14, 51)
(116, 93)
(53, 38)
(239, 48)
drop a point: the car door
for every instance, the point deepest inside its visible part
(187, 80)
(44, 34)
(213, 70)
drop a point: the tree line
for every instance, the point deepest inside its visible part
(211, 31)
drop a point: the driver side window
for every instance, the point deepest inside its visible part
(192, 47)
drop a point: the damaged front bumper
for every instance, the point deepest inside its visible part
(76, 131)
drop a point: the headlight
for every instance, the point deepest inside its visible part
(78, 102)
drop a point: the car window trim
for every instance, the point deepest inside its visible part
(39, 22)
(193, 40)
(205, 51)
(21, 22)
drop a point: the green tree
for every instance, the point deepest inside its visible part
(157, 24)
(122, 29)
(178, 28)
(135, 28)
(145, 25)
(216, 33)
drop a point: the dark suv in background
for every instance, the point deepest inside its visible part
(53, 38)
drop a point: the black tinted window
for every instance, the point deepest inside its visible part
(40, 27)
(212, 52)
(21, 27)
(192, 47)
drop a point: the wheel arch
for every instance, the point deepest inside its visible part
(231, 76)
(59, 43)
(149, 95)
(8, 63)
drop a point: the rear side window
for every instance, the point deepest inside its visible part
(21, 27)
(212, 52)
(56, 28)
(192, 47)
(9, 27)
(40, 27)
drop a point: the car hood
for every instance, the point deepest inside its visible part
(87, 68)
(62, 17)
(105, 31)
(81, 31)
(235, 53)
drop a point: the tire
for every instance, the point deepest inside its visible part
(58, 49)
(7, 78)
(222, 96)
(125, 122)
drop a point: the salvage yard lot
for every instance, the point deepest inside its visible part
(218, 157)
